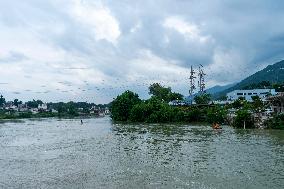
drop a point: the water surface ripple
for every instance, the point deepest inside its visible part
(52, 153)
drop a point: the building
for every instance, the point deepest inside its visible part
(247, 94)
(277, 103)
(23, 108)
(94, 110)
(10, 106)
(34, 110)
(177, 103)
(42, 107)
(107, 112)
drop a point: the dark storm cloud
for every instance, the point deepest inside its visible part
(245, 25)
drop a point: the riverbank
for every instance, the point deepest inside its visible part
(44, 115)
(128, 107)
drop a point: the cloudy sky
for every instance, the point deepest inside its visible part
(92, 50)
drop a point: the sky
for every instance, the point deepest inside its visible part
(92, 50)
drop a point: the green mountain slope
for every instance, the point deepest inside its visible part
(218, 88)
(272, 73)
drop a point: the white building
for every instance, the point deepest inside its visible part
(247, 94)
(107, 112)
(177, 103)
(42, 106)
(23, 108)
(221, 102)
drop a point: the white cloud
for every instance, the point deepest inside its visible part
(227, 67)
(97, 17)
(29, 61)
(136, 27)
(149, 68)
(190, 30)
(24, 41)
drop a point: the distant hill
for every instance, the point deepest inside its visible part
(218, 88)
(213, 90)
(272, 73)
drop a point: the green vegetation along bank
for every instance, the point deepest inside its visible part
(128, 107)
(37, 109)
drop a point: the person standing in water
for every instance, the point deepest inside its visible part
(81, 122)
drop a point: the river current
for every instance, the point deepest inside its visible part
(54, 153)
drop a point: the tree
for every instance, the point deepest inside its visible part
(223, 98)
(175, 96)
(122, 105)
(39, 102)
(260, 85)
(216, 114)
(257, 104)
(71, 109)
(244, 117)
(164, 93)
(239, 102)
(159, 91)
(17, 102)
(278, 87)
(61, 108)
(34, 103)
(277, 122)
(202, 99)
(2, 101)
(141, 112)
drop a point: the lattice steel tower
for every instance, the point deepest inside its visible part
(201, 82)
(192, 85)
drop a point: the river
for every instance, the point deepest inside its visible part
(54, 153)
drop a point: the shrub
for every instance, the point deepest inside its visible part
(122, 105)
(243, 116)
(25, 115)
(216, 115)
(202, 99)
(141, 112)
(277, 122)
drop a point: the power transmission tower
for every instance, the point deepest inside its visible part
(201, 82)
(192, 85)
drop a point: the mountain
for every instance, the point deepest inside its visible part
(272, 73)
(218, 88)
(213, 90)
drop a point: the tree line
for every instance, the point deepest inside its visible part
(62, 109)
(128, 107)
